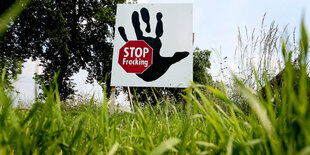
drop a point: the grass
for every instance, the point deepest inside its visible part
(276, 124)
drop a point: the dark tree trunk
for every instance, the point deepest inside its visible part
(61, 77)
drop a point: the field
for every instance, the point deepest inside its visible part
(277, 121)
(272, 119)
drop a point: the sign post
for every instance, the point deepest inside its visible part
(153, 46)
(112, 101)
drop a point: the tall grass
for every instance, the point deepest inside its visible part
(277, 124)
(260, 50)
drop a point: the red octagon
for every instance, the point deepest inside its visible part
(135, 56)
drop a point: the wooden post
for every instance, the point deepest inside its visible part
(191, 90)
(184, 103)
(112, 101)
(157, 94)
(130, 98)
(193, 38)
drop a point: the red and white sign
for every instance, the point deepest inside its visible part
(153, 45)
(135, 56)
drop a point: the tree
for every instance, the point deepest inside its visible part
(200, 65)
(65, 36)
(10, 66)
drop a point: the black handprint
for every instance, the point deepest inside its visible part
(160, 64)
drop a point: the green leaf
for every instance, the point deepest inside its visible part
(206, 144)
(257, 107)
(219, 94)
(113, 149)
(165, 146)
(230, 146)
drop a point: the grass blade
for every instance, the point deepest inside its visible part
(165, 146)
(113, 149)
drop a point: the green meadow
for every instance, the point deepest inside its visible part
(272, 117)
(277, 120)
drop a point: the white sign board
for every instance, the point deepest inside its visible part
(153, 45)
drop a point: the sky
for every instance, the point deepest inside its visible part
(215, 25)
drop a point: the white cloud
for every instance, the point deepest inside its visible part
(139, 1)
(25, 83)
(84, 88)
(142, 1)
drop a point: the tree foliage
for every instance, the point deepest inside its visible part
(10, 66)
(64, 36)
(200, 66)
